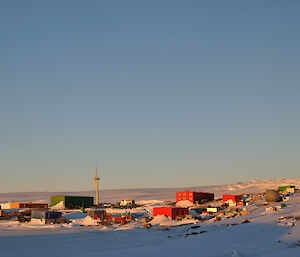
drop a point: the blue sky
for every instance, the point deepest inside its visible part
(157, 93)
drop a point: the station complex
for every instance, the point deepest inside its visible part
(188, 205)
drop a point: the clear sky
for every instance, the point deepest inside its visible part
(157, 93)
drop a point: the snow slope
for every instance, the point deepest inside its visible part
(253, 186)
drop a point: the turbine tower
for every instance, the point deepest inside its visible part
(96, 179)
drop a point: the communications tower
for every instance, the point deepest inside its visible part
(96, 179)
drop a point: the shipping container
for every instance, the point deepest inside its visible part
(212, 209)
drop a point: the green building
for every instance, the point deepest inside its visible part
(73, 202)
(283, 188)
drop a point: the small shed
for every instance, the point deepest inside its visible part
(97, 214)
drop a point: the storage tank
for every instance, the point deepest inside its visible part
(272, 196)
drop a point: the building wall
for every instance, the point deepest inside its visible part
(79, 201)
(44, 214)
(163, 211)
(57, 199)
(201, 196)
(171, 212)
(179, 212)
(34, 205)
(53, 214)
(14, 205)
(235, 198)
(73, 201)
(185, 196)
(193, 196)
(28, 205)
(38, 214)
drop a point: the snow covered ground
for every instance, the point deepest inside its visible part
(267, 233)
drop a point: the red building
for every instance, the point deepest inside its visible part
(28, 205)
(194, 196)
(234, 198)
(172, 212)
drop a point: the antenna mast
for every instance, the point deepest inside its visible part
(96, 179)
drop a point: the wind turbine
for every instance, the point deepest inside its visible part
(96, 179)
